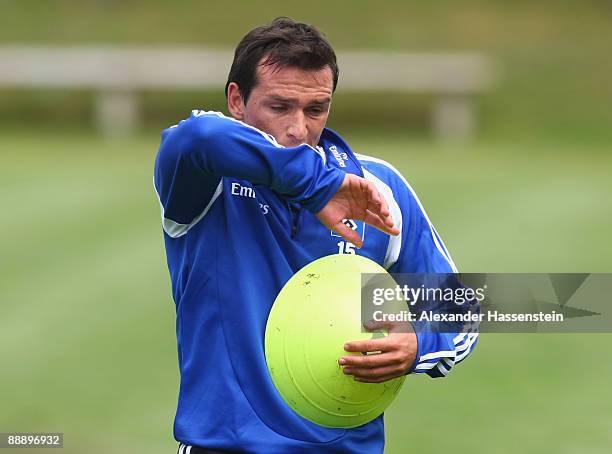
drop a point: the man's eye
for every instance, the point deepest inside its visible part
(316, 111)
(278, 108)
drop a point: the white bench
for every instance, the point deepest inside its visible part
(116, 74)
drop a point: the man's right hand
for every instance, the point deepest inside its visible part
(357, 199)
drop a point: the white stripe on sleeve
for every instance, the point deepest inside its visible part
(395, 242)
(436, 238)
(175, 229)
(437, 355)
(468, 349)
(425, 366)
(442, 369)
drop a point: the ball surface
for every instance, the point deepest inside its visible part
(315, 314)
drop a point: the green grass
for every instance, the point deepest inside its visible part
(87, 328)
(552, 57)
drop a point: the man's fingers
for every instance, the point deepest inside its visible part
(372, 195)
(374, 221)
(401, 327)
(374, 373)
(371, 345)
(376, 201)
(386, 207)
(379, 208)
(383, 224)
(348, 234)
(382, 213)
(357, 199)
(391, 327)
(370, 361)
(373, 325)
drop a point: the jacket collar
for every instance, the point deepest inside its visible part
(339, 153)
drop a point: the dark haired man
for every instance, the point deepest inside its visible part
(246, 202)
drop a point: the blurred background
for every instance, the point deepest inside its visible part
(515, 172)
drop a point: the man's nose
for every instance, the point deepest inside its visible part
(297, 128)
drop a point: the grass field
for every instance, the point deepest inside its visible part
(552, 56)
(87, 328)
(87, 342)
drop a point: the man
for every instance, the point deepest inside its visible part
(249, 200)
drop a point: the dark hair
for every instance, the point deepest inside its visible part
(285, 43)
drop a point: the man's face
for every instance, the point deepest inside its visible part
(291, 104)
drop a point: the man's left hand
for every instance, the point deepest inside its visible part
(389, 357)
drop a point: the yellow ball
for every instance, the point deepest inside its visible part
(314, 315)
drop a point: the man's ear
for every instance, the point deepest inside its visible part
(235, 103)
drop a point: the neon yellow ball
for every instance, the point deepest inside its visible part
(315, 314)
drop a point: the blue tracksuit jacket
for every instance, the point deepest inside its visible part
(237, 215)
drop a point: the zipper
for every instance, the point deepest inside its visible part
(294, 219)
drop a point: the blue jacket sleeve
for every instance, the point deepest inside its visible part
(198, 152)
(422, 251)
